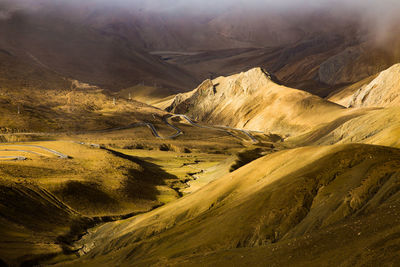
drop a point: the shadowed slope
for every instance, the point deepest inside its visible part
(32, 220)
(56, 42)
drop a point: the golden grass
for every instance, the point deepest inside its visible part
(68, 110)
(376, 126)
(278, 197)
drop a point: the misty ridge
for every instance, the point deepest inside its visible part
(375, 15)
(122, 36)
(126, 34)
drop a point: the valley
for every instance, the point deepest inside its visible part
(199, 133)
(159, 174)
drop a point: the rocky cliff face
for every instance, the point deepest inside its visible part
(331, 71)
(355, 63)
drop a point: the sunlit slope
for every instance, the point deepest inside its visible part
(358, 242)
(382, 90)
(251, 100)
(93, 181)
(344, 95)
(380, 127)
(373, 118)
(48, 201)
(281, 196)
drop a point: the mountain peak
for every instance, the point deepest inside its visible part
(244, 83)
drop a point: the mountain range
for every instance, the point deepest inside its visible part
(199, 133)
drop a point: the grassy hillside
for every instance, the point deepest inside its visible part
(111, 171)
(33, 223)
(379, 126)
(260, 205)
(47, 202)
(79, 109)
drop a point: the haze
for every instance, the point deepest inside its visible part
(368, 7)
(377, 16)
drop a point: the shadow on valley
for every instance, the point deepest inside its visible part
(87, 197)
(31, 220)
(141, 183)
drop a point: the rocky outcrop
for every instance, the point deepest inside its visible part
(356, 63)
(383, 91)
(331, 71)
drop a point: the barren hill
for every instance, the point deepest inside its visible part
(252, 100)
(383, 91)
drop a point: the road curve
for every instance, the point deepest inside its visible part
(252, 138)
(155, 132)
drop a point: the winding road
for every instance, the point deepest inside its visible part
(179, 131)
(191, 122)
(252, 138)
(155, 132)
(138, 124)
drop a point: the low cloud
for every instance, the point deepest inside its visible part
(5, 14)
(379, 17)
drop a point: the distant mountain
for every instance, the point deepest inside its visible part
(118, 46)
(60, 45)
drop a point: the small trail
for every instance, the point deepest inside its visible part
(12, 158)
(58, 154)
